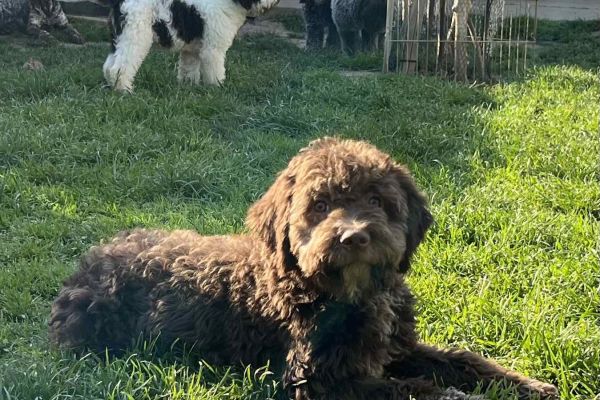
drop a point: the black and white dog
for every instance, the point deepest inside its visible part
(202, 30)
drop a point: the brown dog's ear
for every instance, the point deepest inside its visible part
(419, 217)
(268, 218)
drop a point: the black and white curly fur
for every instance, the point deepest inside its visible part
(202, 30)
(356, 20)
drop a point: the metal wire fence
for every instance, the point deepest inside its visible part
(465, 40)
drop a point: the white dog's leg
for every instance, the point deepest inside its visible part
(221, 30)
(110, 60)
(131, 47)
(212, 65)
(189, 63)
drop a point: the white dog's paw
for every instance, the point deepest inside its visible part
(122, 87)
(193, 77)
(117, 80)
(214, 80)
(107, 69)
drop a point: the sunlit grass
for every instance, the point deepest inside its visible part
(510, 268)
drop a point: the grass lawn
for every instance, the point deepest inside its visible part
(510, 269)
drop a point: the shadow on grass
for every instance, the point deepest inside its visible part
(78, 163)
(138, 374)
(568, 43)
(274, 91)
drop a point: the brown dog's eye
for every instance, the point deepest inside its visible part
(375, 201)
(321, 206)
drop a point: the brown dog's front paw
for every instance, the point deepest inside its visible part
(452, 393)
(539, 389)
(300, 394)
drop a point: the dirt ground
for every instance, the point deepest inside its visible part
(265, 26)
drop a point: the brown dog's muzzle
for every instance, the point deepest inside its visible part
(351, 241)
(354, 235)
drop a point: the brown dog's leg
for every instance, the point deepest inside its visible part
(465, 370)
(370, 389)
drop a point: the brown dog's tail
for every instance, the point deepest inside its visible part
(101, 306)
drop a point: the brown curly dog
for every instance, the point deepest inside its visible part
(317, 287)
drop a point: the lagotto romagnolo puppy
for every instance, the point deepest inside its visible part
(202, 30)
(316, 287)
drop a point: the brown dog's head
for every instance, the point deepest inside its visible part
(345, 214)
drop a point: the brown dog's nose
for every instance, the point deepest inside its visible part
(355, 238)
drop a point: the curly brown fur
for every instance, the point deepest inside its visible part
(465, 370)
(317, 286)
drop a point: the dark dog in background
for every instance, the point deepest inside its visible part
(317, 287)
(360, 23)
(317, 17)
(36, 18)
